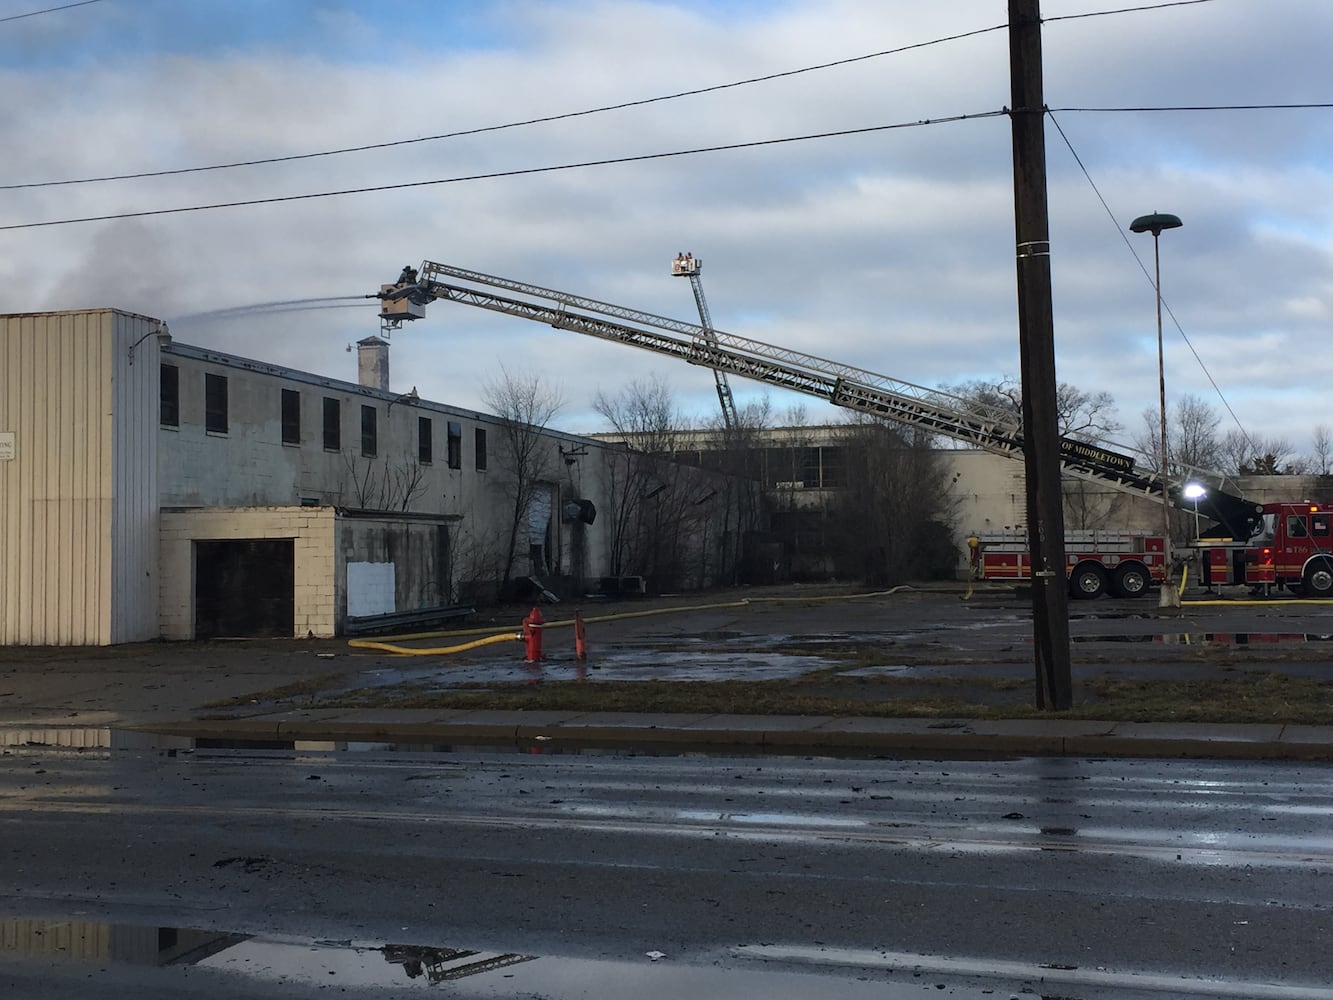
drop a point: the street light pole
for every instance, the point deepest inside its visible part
(1155, 223)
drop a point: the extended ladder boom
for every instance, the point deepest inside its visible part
(991, 429)
(690, 266)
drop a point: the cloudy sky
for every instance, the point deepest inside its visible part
(887, 248)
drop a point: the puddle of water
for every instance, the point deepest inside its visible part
(1212, 638)
(88, 738)
(350, 965)
(1053, 976)
(688, 665)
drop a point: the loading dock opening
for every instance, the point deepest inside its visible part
(244, 587)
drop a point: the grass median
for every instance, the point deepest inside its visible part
(1259, 697)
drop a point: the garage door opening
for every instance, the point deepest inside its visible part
(244, 588)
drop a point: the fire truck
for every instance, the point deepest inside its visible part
(1128, 566)
(1119, 563)
(1292, 549)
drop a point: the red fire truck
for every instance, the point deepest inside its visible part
(1122, 563)
(1293, 549)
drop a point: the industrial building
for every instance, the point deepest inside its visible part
(151, 489)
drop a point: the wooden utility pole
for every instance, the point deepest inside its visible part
(1036, 337)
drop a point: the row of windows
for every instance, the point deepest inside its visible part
(217, 418)
(779, 468)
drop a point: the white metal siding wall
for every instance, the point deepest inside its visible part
(134, 531)
(56, 494)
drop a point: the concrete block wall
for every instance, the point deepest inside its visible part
(312, 530)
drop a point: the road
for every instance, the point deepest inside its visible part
(289, 873)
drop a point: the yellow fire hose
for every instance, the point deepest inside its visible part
(493, 635)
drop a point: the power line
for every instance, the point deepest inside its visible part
(1143, 267)
(1212, 107)
(563, 116)
(503, 173)
(48, 10)
(1124, 10)
(510, 125)
(557, 117)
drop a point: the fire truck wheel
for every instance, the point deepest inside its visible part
(1087, 581)
(1319, 579)
(1129, 581)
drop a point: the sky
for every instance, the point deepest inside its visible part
(887, 248)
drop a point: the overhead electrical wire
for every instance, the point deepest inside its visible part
(1144, 268)
(1124, 10)
(1210, 107)
(48, 10)
(501, 173)
(557, 117)
(481, 130)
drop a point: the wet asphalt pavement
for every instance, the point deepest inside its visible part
(378, 854)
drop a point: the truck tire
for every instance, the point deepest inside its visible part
(1318, 578)
(1087, 581)
(1130, 580)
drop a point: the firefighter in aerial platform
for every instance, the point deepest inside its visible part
(409, 276)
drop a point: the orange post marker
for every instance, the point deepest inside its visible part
(580, 638)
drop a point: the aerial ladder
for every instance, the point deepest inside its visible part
(686, 265)
(990, 428)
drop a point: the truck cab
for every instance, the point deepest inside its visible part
(1293, 549)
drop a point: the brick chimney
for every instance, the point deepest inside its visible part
(372, 363)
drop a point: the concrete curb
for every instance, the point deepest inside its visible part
(791, 734)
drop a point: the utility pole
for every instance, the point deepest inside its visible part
(1036, 337)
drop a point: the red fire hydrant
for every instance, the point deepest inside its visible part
(532, 636)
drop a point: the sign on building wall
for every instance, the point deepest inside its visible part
(8, 446)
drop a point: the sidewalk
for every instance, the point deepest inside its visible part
(776, 734)
(58, 699)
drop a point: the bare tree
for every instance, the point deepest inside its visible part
(648, 503)
(1323, 450)
(1089, 416)
(383, 486)
(1191, 438)
(739, 451)
(524, 405)
(895, 516)
(1248, 455)
(1091, 505)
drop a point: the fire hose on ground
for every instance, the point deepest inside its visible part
(534, 625)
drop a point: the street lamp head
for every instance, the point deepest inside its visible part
(1155, 223)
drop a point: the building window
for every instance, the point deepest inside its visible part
(455, 445)
(169, 392)
(291, 416)
(833, 459)
(810, 467)
(333, 431)
(479, 439)
(215, 403)
(425, 450)
(369, 432)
